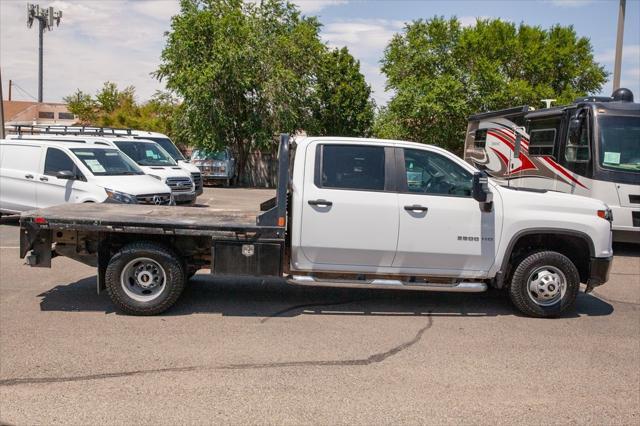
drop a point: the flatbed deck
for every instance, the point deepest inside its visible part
(152, 219)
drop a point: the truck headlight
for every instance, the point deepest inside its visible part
(120, 197)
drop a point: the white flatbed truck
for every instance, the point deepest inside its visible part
(348, 212)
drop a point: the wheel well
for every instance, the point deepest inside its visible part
(576, 248)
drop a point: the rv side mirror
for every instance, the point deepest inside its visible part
(66, 174)
(480, 187)
(575, 125)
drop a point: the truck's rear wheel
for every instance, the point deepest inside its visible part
(544, 284)
(144, 279)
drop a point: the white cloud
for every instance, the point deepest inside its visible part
(96, 41)
(313, 6)
(569, 3)
(629, 52)
(366, 39)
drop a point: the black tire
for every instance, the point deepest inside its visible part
(174, 281)
(519, 291)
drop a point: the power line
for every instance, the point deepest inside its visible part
(24, 92)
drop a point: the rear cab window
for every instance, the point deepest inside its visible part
(350, 167)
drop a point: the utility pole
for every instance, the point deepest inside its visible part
(1, 110)
(618, 64)
(10, 84)
(46, 18)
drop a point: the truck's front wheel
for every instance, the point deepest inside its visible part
(544, 284)
(144, 278)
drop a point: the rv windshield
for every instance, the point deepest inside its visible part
(620, 143)
(106, 162)
(146, 153)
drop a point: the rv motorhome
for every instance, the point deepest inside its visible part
(590, 148)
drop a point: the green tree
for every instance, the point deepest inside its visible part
(343, 106)
(82, 105)
(248, 71)
(441, 73)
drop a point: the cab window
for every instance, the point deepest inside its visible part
(357, 167)
(431, 173)
(56, 161)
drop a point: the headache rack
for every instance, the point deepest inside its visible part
(57, 129)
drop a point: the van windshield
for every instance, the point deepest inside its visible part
(168, 146)
(146, 153)
(106, 162)
(620, 143)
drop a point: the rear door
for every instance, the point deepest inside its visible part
(19, 165)
(51, 190)
(442, 228)
(350, 209)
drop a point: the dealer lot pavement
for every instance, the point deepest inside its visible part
(251, 351)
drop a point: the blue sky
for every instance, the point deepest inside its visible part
(121, 40)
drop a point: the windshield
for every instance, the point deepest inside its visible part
(620, 143)
(146, 153)
(168, 146)
(106, 162)
(203, 154)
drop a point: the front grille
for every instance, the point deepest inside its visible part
(180, 184)
(634, 199)
(197, 180)
(157, 199)
(636, 218)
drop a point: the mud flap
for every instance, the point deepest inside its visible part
(39, 242)
(103, 261)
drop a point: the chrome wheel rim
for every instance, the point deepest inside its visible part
(546, 285)
(143, 279)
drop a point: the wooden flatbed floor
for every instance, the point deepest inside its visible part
(148, 219)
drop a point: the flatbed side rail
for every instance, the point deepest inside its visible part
(277, 215)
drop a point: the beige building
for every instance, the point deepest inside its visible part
(27, 112)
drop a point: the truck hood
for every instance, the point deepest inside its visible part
(548, 201)
(165, 172)
(188, 167)
(133, 184)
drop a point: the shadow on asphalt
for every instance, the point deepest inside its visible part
(271, 298)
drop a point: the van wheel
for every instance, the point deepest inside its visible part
(144, 279)
(544, 284)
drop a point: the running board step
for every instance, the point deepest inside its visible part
(461, 287)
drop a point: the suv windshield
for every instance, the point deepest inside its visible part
(203, 154)
(106, 162)
(146, 153)
(168, 146)
(620, 143)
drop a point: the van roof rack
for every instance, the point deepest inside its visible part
(57, 129)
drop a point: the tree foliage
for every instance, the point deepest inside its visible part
(441, 73)
(248, 71)
(112, 107)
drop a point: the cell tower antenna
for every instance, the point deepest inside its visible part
(46, 18)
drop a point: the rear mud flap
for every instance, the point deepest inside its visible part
(39, 242)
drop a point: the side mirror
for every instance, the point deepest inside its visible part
(575, 125)
(66, 174)
(480, 191)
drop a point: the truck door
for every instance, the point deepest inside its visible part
(18, 168)
(442, 228)
(349, 209)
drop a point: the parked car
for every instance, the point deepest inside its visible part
(37, 174)
(360, 213)
(215, 165)
(167, 144)
(149, 156)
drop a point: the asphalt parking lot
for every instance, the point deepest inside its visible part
(247, 351)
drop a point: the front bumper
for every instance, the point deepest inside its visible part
(599, 268)
(184, 197)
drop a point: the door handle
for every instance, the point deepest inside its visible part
(416, 208)
(44, 179)
(29, 176)
(320, 203)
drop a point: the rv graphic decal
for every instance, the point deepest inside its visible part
(497, 157)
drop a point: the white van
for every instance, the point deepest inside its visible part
(149, 156)
(168, 145)
(38, 174)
